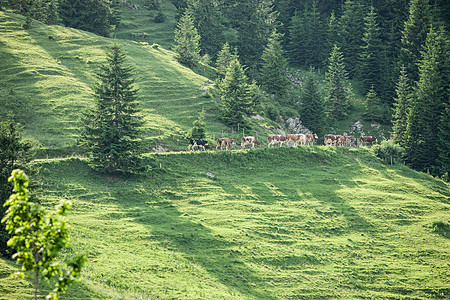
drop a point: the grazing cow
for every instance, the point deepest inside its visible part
(276, 139)
(330, 139)
(225, 142)
(340, 140)
(351, 141)
(368, 139)
(197, 143)
(247, 140)
(311, 138)
(292, 138)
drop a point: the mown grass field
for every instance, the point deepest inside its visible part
(289, 223)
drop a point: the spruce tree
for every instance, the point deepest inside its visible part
(187, 41)
(337, 86)
(375, 109)
(312, 106)
(111, 130)
(237, 97)
(198, 127)
(414, 35)
(426, 119)
(402, 104)
(351, 29)
(273, 71)
(371, 59)
(224, 58)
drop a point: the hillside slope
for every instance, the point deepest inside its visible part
(47, 74)
(282, 223)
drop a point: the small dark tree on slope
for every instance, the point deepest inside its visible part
(38, 236)
(187, 41)
(313, 107)
(198, 129)
(273, 71)
(402, 103)
(237, 97)
(224, 59)
(15, 152)
(111, 130)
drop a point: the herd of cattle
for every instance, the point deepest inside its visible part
(293, 139)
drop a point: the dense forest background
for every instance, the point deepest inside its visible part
(397, 52)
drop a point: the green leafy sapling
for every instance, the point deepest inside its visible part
(38, 236)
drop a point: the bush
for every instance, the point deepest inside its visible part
(387, 151)
(159, 18)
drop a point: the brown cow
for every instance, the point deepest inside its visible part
(227, 142)
(276, 139)
(340, 140)
(351, 141)
(292, 138)
(247, 140)
(368, 139)
(311, 138)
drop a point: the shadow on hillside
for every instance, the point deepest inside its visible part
(175, 232)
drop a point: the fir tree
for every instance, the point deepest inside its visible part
(224, 58)
(375, 109)
(111, 130)
(429, 105)
(237, 98)
(414, 35)
(312, 107)
(187, 41)
(351, 29)
(198, 127)
(337, 86)
(371, 62)
(401, 107)
(273, 70)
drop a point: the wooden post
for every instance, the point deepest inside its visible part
(214, 136)
(222, 133)
(391, 160)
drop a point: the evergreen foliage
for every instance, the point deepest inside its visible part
(237, 97)
(39, 236)
(371, 59)
(15, 152)
(198, 129)
(111, 132)
(401, 107)
(429, 105)
(337, 86)
(273, 71)
(312, 109)
(187, 41)
(350, 33)
(224, 59)
(414, 35)
(375, 109)
(91, 15)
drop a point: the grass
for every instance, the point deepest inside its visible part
(289, 223)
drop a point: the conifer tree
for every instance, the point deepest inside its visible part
(273, 70)
(111, 130)
(371, 64)
(375, 109)
(337, 86)
(414, 35)
(237, 97)
(331, 33)
(351, 29)
(198, 127)
(429, 105)
(187, 41)
(313, 107)
(224, 58)
(402, 104)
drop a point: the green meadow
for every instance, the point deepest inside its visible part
(280, 223)
(289, 223)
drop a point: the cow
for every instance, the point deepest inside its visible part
(247, 140)
(227, 142)
(276, 139)
(311, 138)
(340, 140)
(351, 141)
(368, 139)
(330, 139)
(292, 138)
(197, 143)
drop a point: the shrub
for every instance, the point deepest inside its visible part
(387, 151)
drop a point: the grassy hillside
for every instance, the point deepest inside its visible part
(47, 83)
(289, 223)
